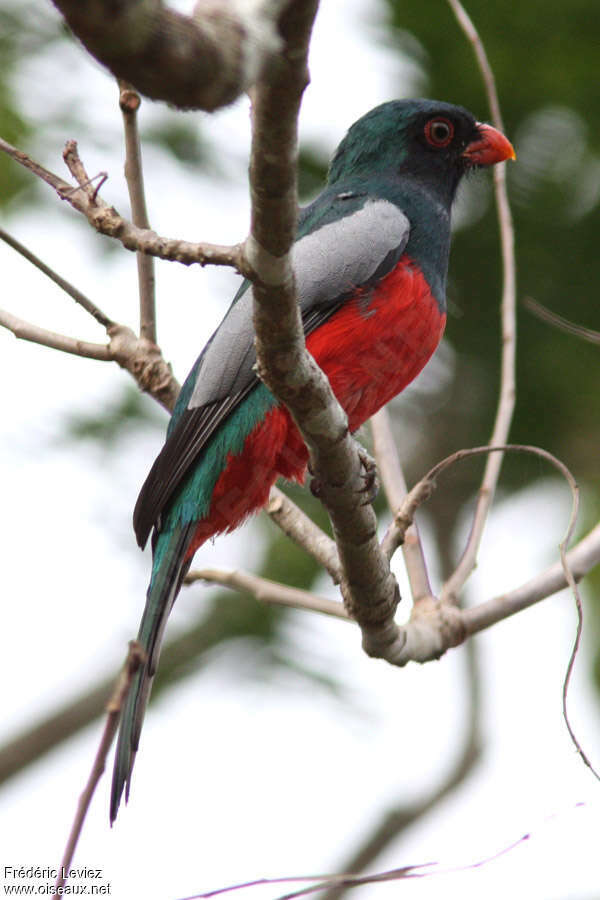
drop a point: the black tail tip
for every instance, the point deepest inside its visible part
(119, 784)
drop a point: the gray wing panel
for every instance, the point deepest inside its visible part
(329, 263)
(337, 258)
(227, 364)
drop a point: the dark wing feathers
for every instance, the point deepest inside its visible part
(181, 450)
(351, 240)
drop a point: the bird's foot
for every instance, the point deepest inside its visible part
(316, 488)
(315, 484)
(370, 488)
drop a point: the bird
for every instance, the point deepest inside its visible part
(370, 262)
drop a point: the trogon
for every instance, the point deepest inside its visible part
(370, 263)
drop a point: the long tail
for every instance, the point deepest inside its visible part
(168, 571)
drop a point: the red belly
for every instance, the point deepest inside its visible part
(370, 350)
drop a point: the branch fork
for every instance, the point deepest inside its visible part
(143, 359)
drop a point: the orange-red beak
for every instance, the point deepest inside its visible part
(489, 148)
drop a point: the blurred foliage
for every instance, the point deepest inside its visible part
(312, 171)
(181, 138)
(106, 426)
(13, 127)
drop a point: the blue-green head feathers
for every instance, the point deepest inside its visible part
(391, 140)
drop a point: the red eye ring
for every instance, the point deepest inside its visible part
(439, 132)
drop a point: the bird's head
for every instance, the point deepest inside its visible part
(429, 141)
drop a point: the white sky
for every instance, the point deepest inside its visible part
(238, 779)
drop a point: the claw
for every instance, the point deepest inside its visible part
(315, 484)
(370, 488)
(369, 476)
(316, 487)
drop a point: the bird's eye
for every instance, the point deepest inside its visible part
(439, 132)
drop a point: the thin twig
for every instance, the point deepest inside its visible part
(506, 400)
(129, 102)
(139, 356)
(420, 870)
(106, 220)
(28, 332)
(135, 658)
(392, 476)
(424, 487)
(468, 27)
(586, 334)
(389, 467)
(142, 359)
(403, 519)
(78, 171)
(146, 364)
(324, 881)
(306, 533)
(68, 288)
(267, 591)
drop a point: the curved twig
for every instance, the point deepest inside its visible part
(546, 315)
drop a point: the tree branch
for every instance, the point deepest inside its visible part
(370, 591)
(267, 591)
(581, 560)
(203, 61)
(28, 332)
(106, 220)
(129, 102)
(145, 363)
